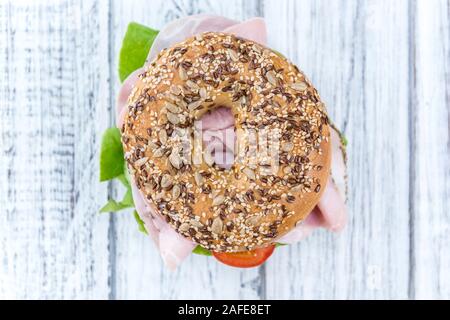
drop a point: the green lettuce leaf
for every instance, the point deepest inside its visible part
(139, 222)
(128, 198)
(202, 251)
(111, 155)
(123, 179)
(114, 206)
(135, 47)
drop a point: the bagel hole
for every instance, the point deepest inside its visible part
(218, 135)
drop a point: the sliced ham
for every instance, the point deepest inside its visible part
(220, 118)
(219, 136)
(332, 208)
(181, 29)
(173, 247)
(252, 29)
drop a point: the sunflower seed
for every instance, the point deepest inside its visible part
(299, 86)
(243, 101)
(256, 48)
(194, 105)
(166, 181)
(176, 90)
(249, 173)
(233, 55)
(181, 132)
(271, 77)
(183, 74)
(198, 178)
(141, 162)
(175, 160)
(158, 153)
(172, 108)
(191, 84)
(163, 136)
(173, 118)
(176, 192)
(217, 226)
(203, 93)
(217, 201)
(172, 97)
(182, 118)
(182, 104)
(184, 227)
(153, 146)
(196, 223)
(199, 37)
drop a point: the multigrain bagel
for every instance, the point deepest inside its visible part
(250, 205)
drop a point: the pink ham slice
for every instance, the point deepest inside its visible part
(218, 135)
(218, 131)
(253, 29)
(173, 247)
(181, 29)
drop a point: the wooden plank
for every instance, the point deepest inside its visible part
(53, 96)
(356, 54)
(431, 169)
(139, 272)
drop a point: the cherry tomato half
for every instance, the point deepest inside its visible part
(245, 259)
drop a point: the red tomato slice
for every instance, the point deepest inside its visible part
(245, 259)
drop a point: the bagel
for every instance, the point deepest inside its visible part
(247, 206)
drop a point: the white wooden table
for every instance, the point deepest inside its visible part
(383, 67)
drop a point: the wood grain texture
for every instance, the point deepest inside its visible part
(383, 69)
(430, 174)
(53, 100)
